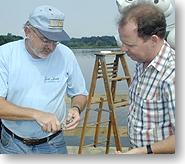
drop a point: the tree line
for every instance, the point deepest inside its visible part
(9, 38)
(84, 42)
(92, 42)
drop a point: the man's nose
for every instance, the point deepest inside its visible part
(124, 48)
(51, 45)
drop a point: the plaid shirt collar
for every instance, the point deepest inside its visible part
(159, 61)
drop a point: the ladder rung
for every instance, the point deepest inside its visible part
(92, 124)
(98, 101)
(102, 122)
(120, 78)
(110, 64)
(105, 100)
(94, 144)
(97, 109)
(121, 104)
(103, 110)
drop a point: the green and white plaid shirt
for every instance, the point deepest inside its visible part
(151, 116)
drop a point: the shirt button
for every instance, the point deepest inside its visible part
(139, 89)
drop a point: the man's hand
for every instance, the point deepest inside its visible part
(141, 150)
(73, 119)
(48, 122)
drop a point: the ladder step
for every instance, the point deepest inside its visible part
(121, 104)
(92, 124)
(97, 101)
(92, 144)
(105, 101)
(120, 78)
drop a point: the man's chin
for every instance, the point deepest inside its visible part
(133, 58)
(43, 56)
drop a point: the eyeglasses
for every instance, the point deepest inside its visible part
(44, 39)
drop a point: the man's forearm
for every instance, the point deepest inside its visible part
(80, 101)
(165, 146)
(12, 112)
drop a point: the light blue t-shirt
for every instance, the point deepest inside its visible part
(38, 83)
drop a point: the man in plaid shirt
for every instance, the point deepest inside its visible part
(151, 117)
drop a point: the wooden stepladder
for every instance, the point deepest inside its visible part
(109, 73)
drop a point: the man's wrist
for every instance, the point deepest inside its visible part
(78, 108)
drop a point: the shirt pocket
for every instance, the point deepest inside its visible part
(153, 112)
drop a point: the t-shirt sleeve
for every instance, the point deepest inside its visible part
(3, 74)
(76, 83)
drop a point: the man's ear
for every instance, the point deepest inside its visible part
(155, 38)
(27, 31)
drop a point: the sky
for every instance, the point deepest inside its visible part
(82, 17)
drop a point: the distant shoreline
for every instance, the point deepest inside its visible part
(74, 43)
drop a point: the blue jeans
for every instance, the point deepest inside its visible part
(11, 145)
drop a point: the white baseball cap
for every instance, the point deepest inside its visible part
(49, 22)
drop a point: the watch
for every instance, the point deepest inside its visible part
(77, 107)
(149, 149)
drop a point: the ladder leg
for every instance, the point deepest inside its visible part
(125, 68)
(113, 91)
(110, 104)
(108, 136)
(113, 83)
(91, 93)
(115, 132)
(98, 122)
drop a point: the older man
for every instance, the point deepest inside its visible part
(35, 75)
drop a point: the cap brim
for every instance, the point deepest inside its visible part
(55, 36)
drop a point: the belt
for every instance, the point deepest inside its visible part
(32, 142)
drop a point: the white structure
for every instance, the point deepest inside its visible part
(167, 6)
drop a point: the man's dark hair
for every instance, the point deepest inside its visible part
(149, 19)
